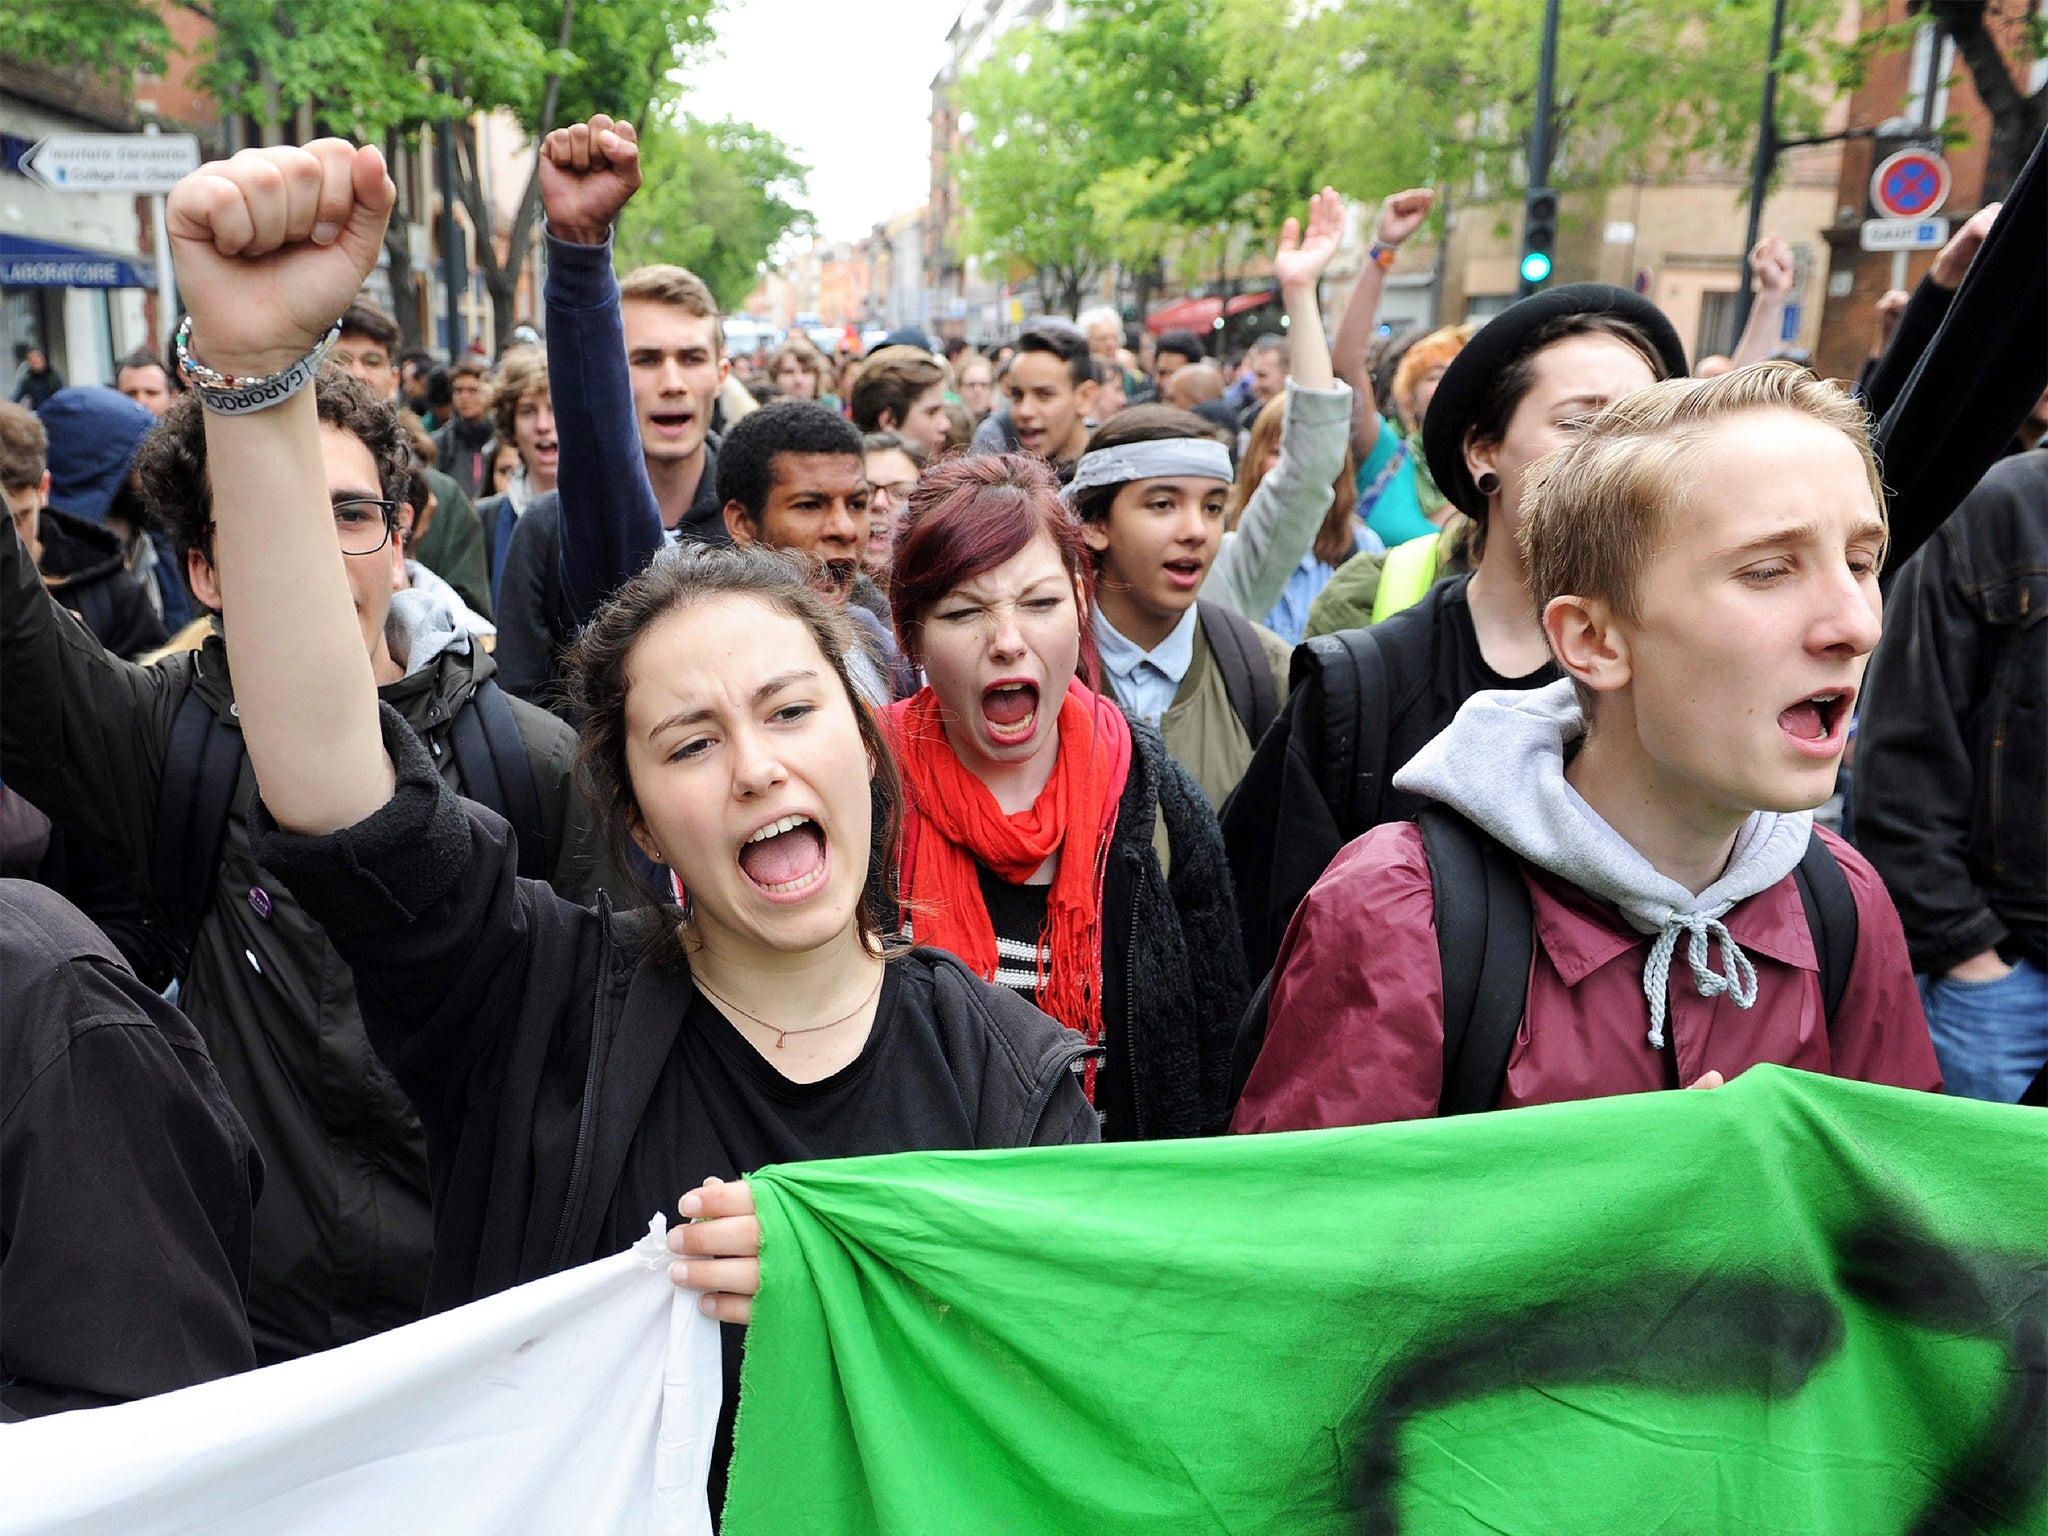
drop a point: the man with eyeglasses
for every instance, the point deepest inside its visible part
(121, 754)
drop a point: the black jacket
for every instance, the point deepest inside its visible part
(126, 1178)
(343, 1233)
(83, 565)
(1951, 788)
(460, 448)
(530, 1032)
(535, 621)
(1173, 972)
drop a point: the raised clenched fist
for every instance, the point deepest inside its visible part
(1402, 213)
(588, 172)
(1772, 262)
(272, 245)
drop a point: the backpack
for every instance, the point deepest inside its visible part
(203, 767)
(1247, 675)
(1485, 937)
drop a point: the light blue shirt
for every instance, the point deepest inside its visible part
(1146, 681)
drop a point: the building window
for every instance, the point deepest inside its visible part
(1717, 324)
(1916, 81)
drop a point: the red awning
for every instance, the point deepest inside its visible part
(1200, 315)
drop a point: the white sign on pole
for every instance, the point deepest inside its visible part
(112, 162)
(1904, 234)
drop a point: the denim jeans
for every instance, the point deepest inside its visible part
(1991, 1037)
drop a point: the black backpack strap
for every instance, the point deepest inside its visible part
(1485, 936)
(201, 771)
(1357, 711)
(1247, 675)
(497, 772)
(1831, 914)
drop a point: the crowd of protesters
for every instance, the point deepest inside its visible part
(451, 815)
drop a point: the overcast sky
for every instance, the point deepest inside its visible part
(846, 86)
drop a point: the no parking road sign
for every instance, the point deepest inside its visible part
(1911, 184)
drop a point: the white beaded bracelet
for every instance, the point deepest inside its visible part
(230, 395)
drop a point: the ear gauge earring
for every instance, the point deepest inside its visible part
(1487, 483)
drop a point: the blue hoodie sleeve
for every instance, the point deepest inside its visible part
(611, 523)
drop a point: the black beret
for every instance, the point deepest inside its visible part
(1505, 340)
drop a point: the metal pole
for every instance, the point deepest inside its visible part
(1546, 75)
(454, 269)
(166, 279)
(1760, 173)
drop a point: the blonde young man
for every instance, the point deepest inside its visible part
(1704, 557)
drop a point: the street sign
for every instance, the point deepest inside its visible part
(112, 162)
(1904, 234)
(1912, 184)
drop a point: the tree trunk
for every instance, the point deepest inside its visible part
(2016, 120)
(1071, 282)
(501, 276)
(405, 283)
(1147, 281)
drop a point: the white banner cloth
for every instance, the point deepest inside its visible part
(582, 1402)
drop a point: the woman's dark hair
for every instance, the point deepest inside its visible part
(1137, 424)
(171, 465)
(966, 517)
(1504, 393)
(678, 580)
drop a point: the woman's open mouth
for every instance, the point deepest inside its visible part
(1009, 710)
(1819, 723)
(785, 859)
(1184, 575)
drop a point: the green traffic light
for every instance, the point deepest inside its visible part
(1535, 266)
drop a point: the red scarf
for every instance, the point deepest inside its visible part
(953, 823)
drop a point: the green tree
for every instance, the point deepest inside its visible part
(717, 198)
(1400, 92)
(99, 38)
(1028, 165)
(387, 71)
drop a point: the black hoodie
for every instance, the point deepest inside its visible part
(83, 567)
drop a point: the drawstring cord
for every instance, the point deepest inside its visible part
(1737, 977)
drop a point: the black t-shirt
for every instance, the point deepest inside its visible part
(720, 1109)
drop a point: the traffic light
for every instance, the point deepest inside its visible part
(1539, 237)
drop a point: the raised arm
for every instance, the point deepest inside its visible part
(611, 522)
(1280, 521)
(1401, 214)
(270, 247)
(1771, 262)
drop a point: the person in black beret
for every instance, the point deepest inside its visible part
(1366, 700)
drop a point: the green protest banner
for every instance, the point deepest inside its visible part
(1788, 1305)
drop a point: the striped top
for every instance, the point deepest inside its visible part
(1017, 913)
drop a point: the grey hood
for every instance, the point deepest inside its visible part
(1500, 764)
(427, 619)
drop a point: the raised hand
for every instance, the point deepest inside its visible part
(1771, 261)
(272, 245)
(1401, 214)
(588, 172)
(1300, 259)
(1952, 262)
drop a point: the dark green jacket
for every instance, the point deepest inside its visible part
(453, 545)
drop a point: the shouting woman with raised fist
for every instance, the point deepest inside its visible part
(578, 1071)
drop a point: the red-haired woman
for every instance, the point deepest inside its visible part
(1049, 841)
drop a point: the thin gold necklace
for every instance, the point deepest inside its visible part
(782, 1034)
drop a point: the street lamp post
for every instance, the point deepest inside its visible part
(1766, 161)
